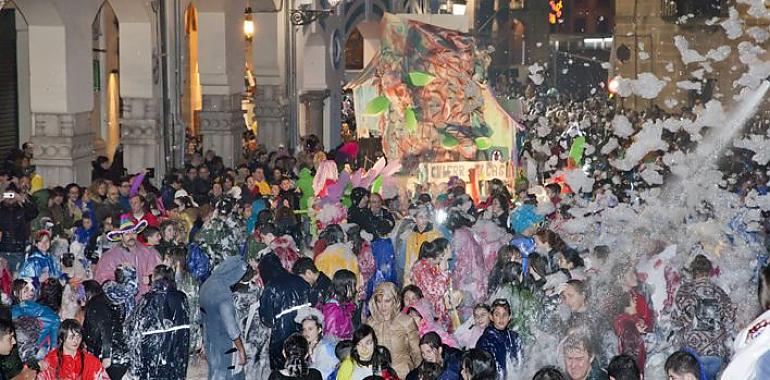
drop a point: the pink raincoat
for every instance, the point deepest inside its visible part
(428, 324)
(434, 284)
(469, 275)
(338, 319)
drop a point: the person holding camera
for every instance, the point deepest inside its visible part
(16, 213)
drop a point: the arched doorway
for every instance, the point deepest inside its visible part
(354, 51)
(105, 116)
(191, 97)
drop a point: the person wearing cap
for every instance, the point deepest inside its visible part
(128, 252)
(223, 234)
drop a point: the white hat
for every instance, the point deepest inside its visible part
(309, 312)
(181, 193)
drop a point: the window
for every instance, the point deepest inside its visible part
(354, 51)
(603, 25)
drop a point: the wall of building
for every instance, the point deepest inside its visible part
(56, 66)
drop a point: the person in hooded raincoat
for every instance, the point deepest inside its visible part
(220, 322)
(46, 318)
(469, 275)
(159, 330)
(222, 236)
(285, 293)
(431, 274)
(107, 308)
(337, 254)
(256, 336)
(397, 331)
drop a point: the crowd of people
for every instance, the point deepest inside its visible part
(303, 266)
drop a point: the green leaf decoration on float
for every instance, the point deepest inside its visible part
(377, 106)
(411, 120)
(420, 79)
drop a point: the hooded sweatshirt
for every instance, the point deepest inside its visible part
(219, 319)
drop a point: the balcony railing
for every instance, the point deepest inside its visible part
(693, 12)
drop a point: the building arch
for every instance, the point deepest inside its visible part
(105, 115)
(356, 13)
(38, 12)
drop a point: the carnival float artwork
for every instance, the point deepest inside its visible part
(425, 94)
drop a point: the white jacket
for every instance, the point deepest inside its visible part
(750, 344)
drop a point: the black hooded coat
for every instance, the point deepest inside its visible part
(284, 294)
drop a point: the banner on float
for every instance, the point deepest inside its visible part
(441, 172)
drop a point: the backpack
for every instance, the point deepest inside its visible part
(198, 263)
(707, 315)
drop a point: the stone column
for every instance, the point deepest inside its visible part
(221, 67)
(270, 108)
(140, 134)
(63, 147)
(313, 101)
(221, 125)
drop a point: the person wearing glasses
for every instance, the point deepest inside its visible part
(502, 343)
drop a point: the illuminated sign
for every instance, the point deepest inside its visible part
(556, 11)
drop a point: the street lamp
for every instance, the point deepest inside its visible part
(248, 23)
(306, 16)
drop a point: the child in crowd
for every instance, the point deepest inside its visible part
(503, 344)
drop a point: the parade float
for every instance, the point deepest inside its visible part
(425, 95)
